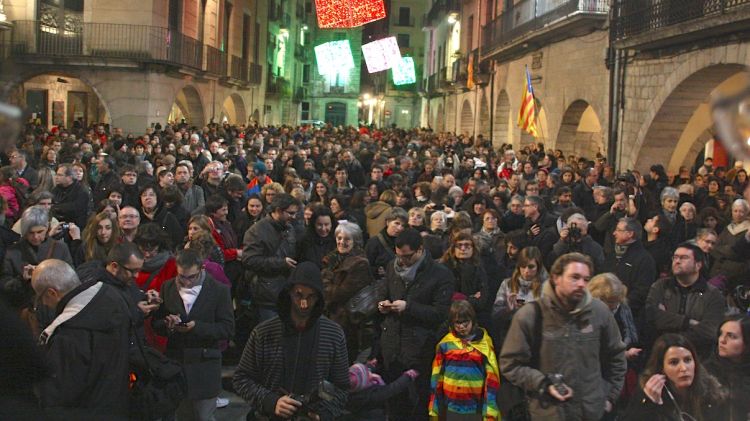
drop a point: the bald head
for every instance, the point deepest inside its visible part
(52, 279)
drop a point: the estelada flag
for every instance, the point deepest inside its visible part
(527, 112)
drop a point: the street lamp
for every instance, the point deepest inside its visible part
(453, 18)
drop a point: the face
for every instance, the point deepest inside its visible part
(148, 199)
(167, 179)
(710, 222)
(221, 213)
(406, 257)
(622, 235)
(254, 207)
(287, 216)
(567, 177)
(269, 195)
(529, 271)
(738, 214)
(415, 219)
(713, 186)
(304, 299)
(464, 249)
(463, 328)
(395, 227)
(323, 226)
(669, 204)
(193, 230)
(687, 212)
(489, 222)
(516, 206)
(683, 262)
(341, 177)
(61, 179)
(47, 203)
(188, 276)
(104, 231)
(181, 175)
(571, 285)
(36, 235)
(129, 219)
(706, 242)
(321, 189)
(529, 209)
(128, 272)
(679, 367)
(731, 342)
(77, 173)
(129, 178)
(344, 243)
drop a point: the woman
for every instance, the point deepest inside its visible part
(152, 210)
(375, 212)
(42, 198)
(740, 181)
(710, 218)
(490, 241)
(675, 386)
(345, 272)
(99, 236)
(417, 219)
(465, 373)
(321, 193)
(49, 159)
(462, 258)
(204, 244)
(252, 213)
(46, 180)
(8, 180)
(436, 238)
(726, 261)
(108, 207)
(201, 224)
(380, 248)
(269, 191)
(687, 227)
(337, 205)
(731, 365)
(318, 240)
(524, 286)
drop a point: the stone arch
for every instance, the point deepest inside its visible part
(484, 117)
(666, 133)
(234, 109)
(467, 118)
(501, 131)
(189, 103)
(580, 131)
(256, 116)
(450, 114)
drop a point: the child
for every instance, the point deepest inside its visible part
(465, 374)
(368, 392)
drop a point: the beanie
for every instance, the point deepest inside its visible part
(358, 377)
(260, 168)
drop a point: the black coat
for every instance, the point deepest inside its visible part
(71, 204)
(313, 248)
(637, 270)
(88, 354)
(641, 408)
(736, 379)
(106, 183)
(267, 245)
(198, 350)
(380, 254)
(409, 338)
(167, 222)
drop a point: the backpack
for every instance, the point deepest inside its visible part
(21, 190)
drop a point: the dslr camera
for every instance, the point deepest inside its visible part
(574, 233)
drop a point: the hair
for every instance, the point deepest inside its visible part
(698, 253)
(122, 252)
(537, 201)
(449, 257)
(396, 213)
(351, 230)
(234, 182)
(419, 211)
(632, 225)
(526, 256)
(93, 249)
(171, 194)
(704, 232)
(278, 188)
(150, 186)
(150, 235)
(204, 244)
(669, 193)
(704, 389)
(563, 261)
(608, 288)
(742, 203)
(409, 237)
(55, 274)
(188, 258)
(68, 169)
(214, 203)
(129, 168)
(607, 192)
(318, 211)
(744, 322)
(282, 201)
(462, 310)
(389, 197)
(202, 221)
(443, 219)
(46, 180)
(33, 216)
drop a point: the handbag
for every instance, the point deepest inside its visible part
(364, 304)
(157, 385)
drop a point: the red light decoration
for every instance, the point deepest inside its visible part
(348, 13)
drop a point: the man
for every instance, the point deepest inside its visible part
(71, 200)
(685, 303)
(607, 222)
(128, 219)
(574, 237)
(583, 193)
(196, 315)
(632, 264)
(414, 303)
(260, 178)
(107, 178)
(539, 226)
(129, 179)
(578, 339)
(165, 177)
(268, 255)
(353, 168)
(290, 355)
(86, 344)
(211, 177)
(656, 243)
(19, 162)
(193, 195)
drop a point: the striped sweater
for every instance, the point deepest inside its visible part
(465, 377)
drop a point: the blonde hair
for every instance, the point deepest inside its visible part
(608, 288)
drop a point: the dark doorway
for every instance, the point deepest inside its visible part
(77, 110)
(336, 113)
(36, 103)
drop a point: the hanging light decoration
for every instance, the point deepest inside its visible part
(348, 13)
(404, 72)
(334, 57)
(382, 54)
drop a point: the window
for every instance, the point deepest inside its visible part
(306, 73)
(305, 106)
(403, 40)
(404, 16)
(339, 36)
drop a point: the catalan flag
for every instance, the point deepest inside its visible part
(527, 113)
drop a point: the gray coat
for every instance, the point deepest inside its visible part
(583, 345)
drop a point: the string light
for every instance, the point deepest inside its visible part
(381, 55)
(348, 13)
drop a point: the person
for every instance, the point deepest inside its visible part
(198, 227)
(289, 355)
(317, 241)
(19, 160)
(86, 345)
(730, 364)
(471, 283)
(369, 393)
(414, 303)
(675, 386)
(99, 236)
(684, 302)
(540, 226)
(465, 376)
(195, 316)
(726, 261)
(379, 248)
(107, 177)
(252, 213)
(574, 236)
(128, 221)
(268, 256)
(193, 196)
(153, 210)
(71, 201)
(580, 361)
(345, 272)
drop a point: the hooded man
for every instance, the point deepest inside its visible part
(288, 356)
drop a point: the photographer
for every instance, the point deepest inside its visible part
(574, 237)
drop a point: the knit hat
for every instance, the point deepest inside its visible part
(307, 273)
(259, 168)
(359, 376)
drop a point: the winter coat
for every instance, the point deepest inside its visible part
(380, 250)
(70, 204)
(198, 350)
(583, 345)
(465, 376)
(166, 221)
(8, 193)
(106, 183)
(369, 404)
(726, 261)
(22, 253)
(470, 278)
(267, 245)
(375, 213)
(587, 246)
(343, 277)
(735, 377)
(637, 270)
(641, 408)
(193, 197)
(87, 350)
(314, 248)
(410, 337)
(701, 302)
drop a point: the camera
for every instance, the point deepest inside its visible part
(574, 233)
(65, 226)
(325, 392)
(557, 381)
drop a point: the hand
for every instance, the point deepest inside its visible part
(512, 301)
(564, 233)
(74, 231)
(693, 322)
(28, 270)
(186, 327)
(555, 394)
(477, 295)
(147, 308)
(398, 306)
(653, 388)
(384, 306)
(152, 296)
(608, 406)
(172, 320)
(286, 407)
(239, 253)
(614, 209)
(632, 353)
(53, 231)
(535, 230)
(662, 308)
(291, 262)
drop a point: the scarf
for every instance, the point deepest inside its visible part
(407, 274)
(155, 263)
(621, 249)
(735, 228)
(672, 216)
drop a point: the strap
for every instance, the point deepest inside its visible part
(536, 338)
(149, 280)
(51, 249)
(382, 241)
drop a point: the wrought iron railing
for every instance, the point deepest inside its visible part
(255, 74)
(532, 15)
(635, 17)
(216, 61)
(106, 40)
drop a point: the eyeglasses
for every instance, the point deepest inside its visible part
(464, 246)
(127, 216)
(131, 272)
(189, 278)
(290, 214)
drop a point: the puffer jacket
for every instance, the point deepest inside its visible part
(583, 345)
(375, 213)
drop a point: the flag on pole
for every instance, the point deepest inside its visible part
(470, 70)
(527, 113)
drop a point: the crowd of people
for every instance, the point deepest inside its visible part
(370, 274)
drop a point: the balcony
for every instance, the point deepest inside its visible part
(661, 23)
(439, 10)
(255, 74)
(238, 69)
(531, 24)
(277, 86)
(216, 61)
(300, 94)
(302, 53)
(103, 44)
